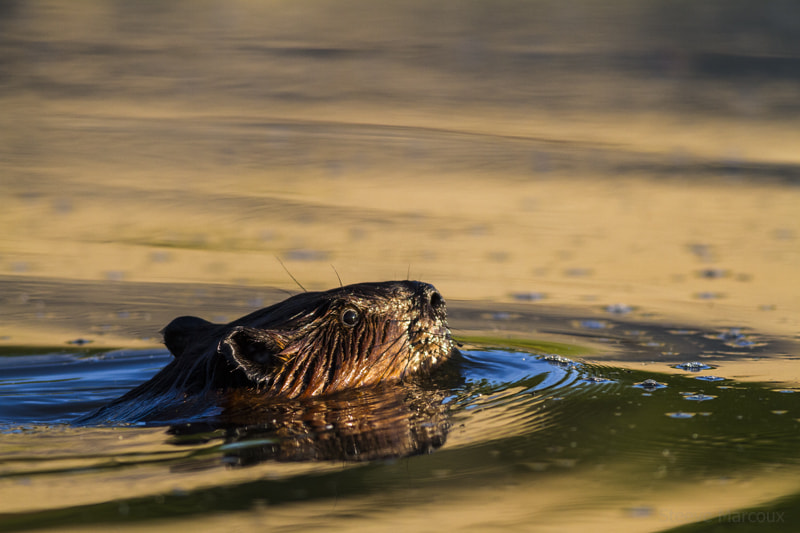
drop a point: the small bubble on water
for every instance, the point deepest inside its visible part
(731, 334)
(593, 324)
(619, 309)
(693, 366)
(736, 338)
(697, 397)
(713, 273)
(558, 360)
(709, 378)
(743, 343)
(779, 412)
(650, 385)
(681, 414)
(596, 379)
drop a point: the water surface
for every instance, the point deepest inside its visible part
(616, 185)
(639, 441)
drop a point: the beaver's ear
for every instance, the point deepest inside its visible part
(179, 333)
(256, 351)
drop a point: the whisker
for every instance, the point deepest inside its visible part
(290, 274)
(337, 276)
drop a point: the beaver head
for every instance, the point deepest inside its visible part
(321, 342)
(314, 343)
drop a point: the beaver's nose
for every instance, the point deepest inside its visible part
(428, 298)
(432, 301)
(435, 300)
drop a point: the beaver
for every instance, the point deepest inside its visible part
(311, 344)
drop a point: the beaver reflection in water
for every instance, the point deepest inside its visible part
(312, 344)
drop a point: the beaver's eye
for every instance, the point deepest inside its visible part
(349, 317)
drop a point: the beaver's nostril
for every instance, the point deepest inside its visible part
(435, 300)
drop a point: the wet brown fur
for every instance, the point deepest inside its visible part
(312, 344)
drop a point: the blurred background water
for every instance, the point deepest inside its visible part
(557, 159)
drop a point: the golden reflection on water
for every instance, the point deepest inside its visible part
(593, 155)
(489, 157)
